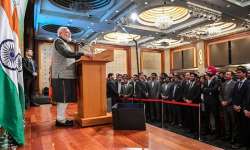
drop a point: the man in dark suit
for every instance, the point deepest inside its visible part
(133, 83)
(118, 83)
(165, 95)
(111, 89)
(211, 101)
(186, 110)
(154, 93)
(141, 91)
(192, 97)
(127, 89)
(239, 99)
(176, 95)
(29, 76)
(246, 110)
(226, 103)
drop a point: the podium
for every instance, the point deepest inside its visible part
(92, 103)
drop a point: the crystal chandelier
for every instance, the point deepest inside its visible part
(163, 22)
(213, 30)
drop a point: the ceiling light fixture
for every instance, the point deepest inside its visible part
(213, 30)
(134, 16)
(163, 22)
(164, 16)
(119, 37)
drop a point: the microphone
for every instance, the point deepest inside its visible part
(80, 43)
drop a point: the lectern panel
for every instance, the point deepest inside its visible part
(94, 81)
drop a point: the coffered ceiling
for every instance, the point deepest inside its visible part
(152, 23)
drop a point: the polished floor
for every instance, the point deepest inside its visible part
(41, 134)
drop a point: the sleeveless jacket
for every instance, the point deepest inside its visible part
(63, 60)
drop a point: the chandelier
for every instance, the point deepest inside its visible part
(213, 30)
(163, 22)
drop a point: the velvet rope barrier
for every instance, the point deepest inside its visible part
(162, 101)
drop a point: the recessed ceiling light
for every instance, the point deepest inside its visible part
(233, 19)
(146, 3)
(228, 6)
(117, 11)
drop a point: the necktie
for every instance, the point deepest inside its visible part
(166, 86)
(119, 88)
(191, 85)
(33, 66)
(240, 84)
(175, 86)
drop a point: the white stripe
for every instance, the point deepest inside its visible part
(6, 33)
(20, 74)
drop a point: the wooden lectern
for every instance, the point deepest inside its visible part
(92, 103)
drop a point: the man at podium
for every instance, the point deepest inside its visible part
(63, 74)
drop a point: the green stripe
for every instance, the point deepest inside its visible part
(21, 97)
(11, 116)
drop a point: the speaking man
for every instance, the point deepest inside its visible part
(63, 74)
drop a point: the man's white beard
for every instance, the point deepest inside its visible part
(69, 39)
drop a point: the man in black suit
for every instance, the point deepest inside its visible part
(141, 91)
(29, 76)
(176, 95)
(239, 101)
(246, 110)
(111, 89)
(226, 103)
(133, 81)
(127, 89)
(165, 95)
(192, 97)
(211, 101)
(186, 110)
(154, 88)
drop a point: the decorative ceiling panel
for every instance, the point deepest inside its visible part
(81, 4)
(119, 37)
(53, 28)
(242, 3)
(176, 14)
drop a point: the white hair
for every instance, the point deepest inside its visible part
(60, 29)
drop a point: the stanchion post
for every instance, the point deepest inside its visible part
(162, 117)
(199, 122)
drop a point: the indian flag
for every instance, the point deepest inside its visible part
(11, 81)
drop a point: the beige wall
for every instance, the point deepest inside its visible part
(151, 63)
(167, 61)
(119, 65)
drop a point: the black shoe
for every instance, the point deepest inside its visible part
(236, 146)
(34, 104)
(67, 123)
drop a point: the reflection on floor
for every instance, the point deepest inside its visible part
(41, 134)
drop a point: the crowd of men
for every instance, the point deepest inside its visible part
(224, 99)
